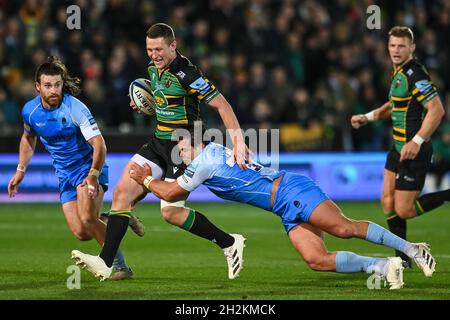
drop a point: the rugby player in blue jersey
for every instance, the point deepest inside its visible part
(70, 134)
(305, 211)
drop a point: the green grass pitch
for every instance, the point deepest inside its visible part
(170, 263)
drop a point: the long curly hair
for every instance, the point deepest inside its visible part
(54, 66)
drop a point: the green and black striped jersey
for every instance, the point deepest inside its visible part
(411, 88)
(178, 90)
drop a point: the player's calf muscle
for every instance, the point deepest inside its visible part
(323, 262)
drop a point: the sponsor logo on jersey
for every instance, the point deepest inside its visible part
(168, 82)
(175, 169)
(181, 74)
(59, 138)
(88, 115)
(201, 86)
(397, 83)
(160, 99)
(424, 86)
(409, 179)
(409, 72)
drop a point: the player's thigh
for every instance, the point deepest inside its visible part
(308, 241)
(74, 222)
(327, 216)
(88, 208)
(388, 192)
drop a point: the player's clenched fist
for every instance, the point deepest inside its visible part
(358, 121)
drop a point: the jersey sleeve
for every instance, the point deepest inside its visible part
(420, 84)
(26, 122)
(196, 85)
(83, 118)
(195, 174)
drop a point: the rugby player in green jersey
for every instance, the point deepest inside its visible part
(416, 111)
(178, 88)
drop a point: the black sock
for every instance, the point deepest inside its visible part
(397, 226)
(115, 231)
(199, 225)
(430, 201)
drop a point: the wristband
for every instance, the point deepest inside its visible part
(147, 181)
(370, 116)
(21, 168)
(94, 172)
(418, 139)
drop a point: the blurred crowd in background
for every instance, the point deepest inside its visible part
(301, 66)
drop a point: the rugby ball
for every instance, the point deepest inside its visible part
(140, 92)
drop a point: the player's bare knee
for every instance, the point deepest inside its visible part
(119, 192)
(82, 235)
(121, 197)
(89, 222)
(171, 214)
(405, 212)
(344, 231)
(387, 201)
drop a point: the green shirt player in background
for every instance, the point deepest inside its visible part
(416, 112)
(178, 88)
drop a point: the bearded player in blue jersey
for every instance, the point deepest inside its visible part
(70, 134)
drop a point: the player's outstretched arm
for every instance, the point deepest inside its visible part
(26, 151)
(168, 191)
(241, 153)
(381, 113)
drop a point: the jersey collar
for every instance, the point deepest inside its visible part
(402, 67)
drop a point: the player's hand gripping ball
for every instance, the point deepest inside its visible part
(142, 96)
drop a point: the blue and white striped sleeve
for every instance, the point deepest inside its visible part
(195, 174)
(83, 118)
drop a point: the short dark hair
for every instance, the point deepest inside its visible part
(163, 30)
(402, 32)
(191, 134)
(53, 66)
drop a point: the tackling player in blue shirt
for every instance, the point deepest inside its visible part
(70, 134)
(305, 211)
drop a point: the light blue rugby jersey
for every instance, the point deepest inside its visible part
(63, 131)
(214, 168)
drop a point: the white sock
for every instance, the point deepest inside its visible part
(411, 249)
